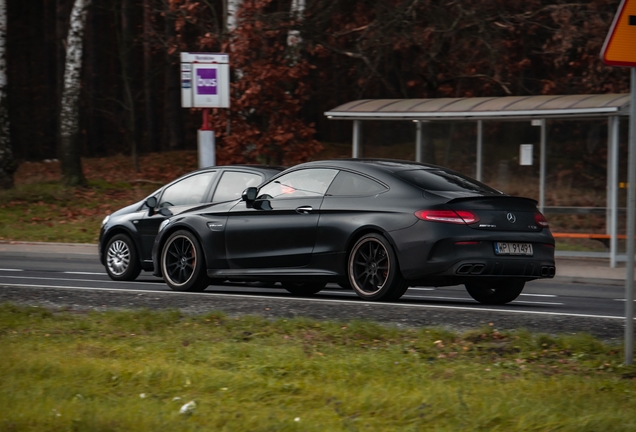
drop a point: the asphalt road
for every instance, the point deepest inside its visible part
(80, 282)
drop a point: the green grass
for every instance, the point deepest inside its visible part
(135, 370)
(50, 212)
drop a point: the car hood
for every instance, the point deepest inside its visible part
(128, 209)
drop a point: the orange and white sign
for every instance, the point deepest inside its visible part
(619, 48)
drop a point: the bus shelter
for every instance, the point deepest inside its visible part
(536, 109)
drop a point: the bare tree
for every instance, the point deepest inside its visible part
(7, 164)
(149, 97)
(70, 156)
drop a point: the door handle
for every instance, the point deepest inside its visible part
(304, 210)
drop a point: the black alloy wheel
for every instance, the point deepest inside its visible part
(304, 288)
(373, 269)
(182, 263)
(495, 292)
(122, 263)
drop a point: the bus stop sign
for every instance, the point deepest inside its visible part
(619, 48)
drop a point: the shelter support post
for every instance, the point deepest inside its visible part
(612, 186)
(480, 130)
(631, 220)
(542, 167)
(419, 141)
(357, 139)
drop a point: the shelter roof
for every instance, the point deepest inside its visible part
(480, 108)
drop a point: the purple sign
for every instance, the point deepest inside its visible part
(206, 81)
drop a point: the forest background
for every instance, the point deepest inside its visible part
(291, 61)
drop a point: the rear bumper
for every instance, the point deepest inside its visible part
(446, 254)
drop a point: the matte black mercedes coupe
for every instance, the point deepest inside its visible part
(377, 226)
(127, 235)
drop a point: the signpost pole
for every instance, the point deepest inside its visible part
(631, 228)
(618, 50)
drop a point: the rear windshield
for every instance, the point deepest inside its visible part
(439, 180)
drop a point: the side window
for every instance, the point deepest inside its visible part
(233, 183)
(350, 184)
(302, 183)
(189, 191)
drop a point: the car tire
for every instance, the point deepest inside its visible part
(495, 292)
(304, 288)
(122, 262)
(183, 264)
(373, 269)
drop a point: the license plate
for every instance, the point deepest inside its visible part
(508, 248)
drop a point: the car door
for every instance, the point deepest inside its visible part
(279, 229)
(177, 197)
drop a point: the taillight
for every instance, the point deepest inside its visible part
(447, 216)
(540, 220)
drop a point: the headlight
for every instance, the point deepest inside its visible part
(164, 224)
(105, 220)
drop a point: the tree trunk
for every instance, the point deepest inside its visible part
(70, 157)
(125, 53)
(149, 97)
(7, 163)
(173, 93)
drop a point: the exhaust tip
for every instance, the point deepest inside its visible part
(465, 269)
(548, 271)
(477, 269)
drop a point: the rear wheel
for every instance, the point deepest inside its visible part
(495, 292)
(122, 262)
(182, 263)
(373, 269)
(304, 288)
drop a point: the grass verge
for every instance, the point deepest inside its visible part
(137, 370)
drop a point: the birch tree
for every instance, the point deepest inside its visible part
(70, 156)
(231, 9)
(7, 164)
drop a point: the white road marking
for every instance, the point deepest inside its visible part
(12, 270)
(466, 298)
(537, 303)
(622, 300)
(538, 295)
(85, 273)
(436, 298)
(422, 289)
(75, 280)
(321, 300)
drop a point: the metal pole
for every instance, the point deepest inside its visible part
(542, 167)
(631, 221)
(612, 180)
(357, 137)
(419, 142)
(480, 129)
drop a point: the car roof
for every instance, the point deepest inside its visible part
(370, 165)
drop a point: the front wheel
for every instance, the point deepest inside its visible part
(122, 263)
(182, 263)
(373, 269)
(495, 292)
(304, 288)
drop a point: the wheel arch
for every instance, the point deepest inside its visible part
(119, 229)
(370, 229)
(166, 235)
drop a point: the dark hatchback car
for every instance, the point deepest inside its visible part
(127, 235)
(377, 226)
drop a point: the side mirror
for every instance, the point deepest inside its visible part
(151, 203)
(249, 194)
